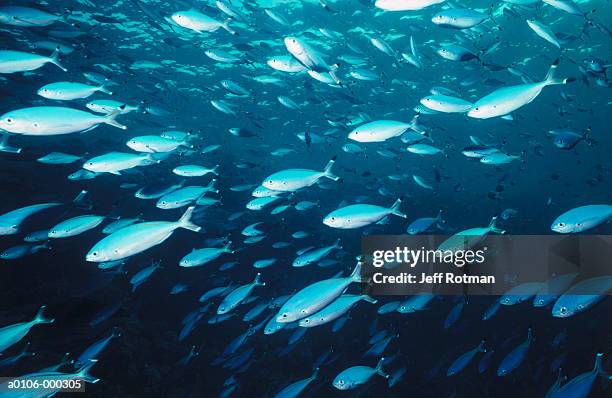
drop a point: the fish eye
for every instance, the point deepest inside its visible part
(563, 310)
(561, 224)
(285, 315)
(307, 320)
(9, 120)
(341, 382)
(476, 108)
(95, 254)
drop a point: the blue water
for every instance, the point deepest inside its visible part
(107, 38)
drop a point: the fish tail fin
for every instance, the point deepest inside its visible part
(481, 346)
(214, 170)
(395, 209)
(550, 78)
(158, 157)
(598, 368)
(257, 281)
(103, 89)
(80, 197)
(369, 299)
(337, 244)
(227, 247)
(379, 368)
(54, 59)
(83, 372)
(226, 26)
(185, 220)
(493, 228)
(211, 186)
(315, 374)
(110, 118)
(491, 17)
(116, 332)
(529, 334)
(356, 274)
(439, 218)
(40, 316)
(327, 172)
(4, 145)
(333, 75)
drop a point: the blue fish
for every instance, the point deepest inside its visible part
(515, 358)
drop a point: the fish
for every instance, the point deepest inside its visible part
(20, 251)
(581, 385)
(138, 238)
(26, 16)
(424, 224)
(459, 18)
(290, 180)
(294, 389)
(446, 103)
(116, 162)
(360, 215)
(66, 91)
(315, 255)
(582, 296)
(515, 358)
(315, 297)
(19, 61)
(54, 120)
(199, 257)
(506, 100)
(405, 5)
(464, 360)
(58, 158)
(565, 139)
(356, 376)
(334, 310)
(521, 293)
(94, 350)
(198, 22)
(471, 237)
(543, 31)
(309, 57)
(143, 275)
(380, 130)
(193, 170)
(553, 288)
(415, 303)
(75, 226)
(81, 374)
(108, 106)
(582, 218)
(156, 144)
(238, 295)
(12, 334)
